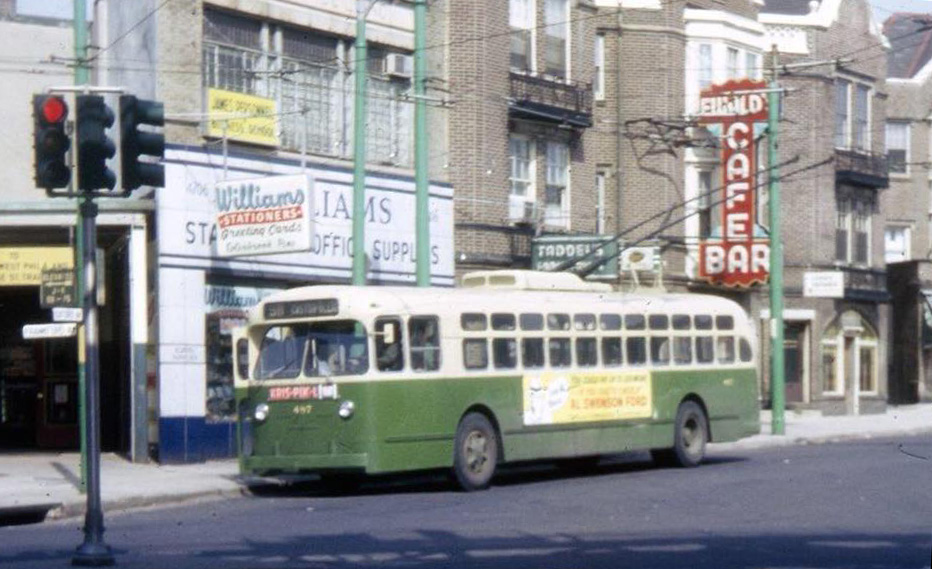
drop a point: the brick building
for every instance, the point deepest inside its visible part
(906, 233)
(832, 203)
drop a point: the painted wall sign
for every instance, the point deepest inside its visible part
(23, 266)
(189, 232)
(242, 117)
(738, 257)
(557, 398)
(264, 216)
(550, 251)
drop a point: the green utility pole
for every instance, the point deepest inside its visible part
(777, 379)
(421, 182)
(81, 77)
(359, 144)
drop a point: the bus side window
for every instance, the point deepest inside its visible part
(725, 322)
(505, 353)
(532, 321)
(389, 355)
(636, 349)
(725, 348)
(610, 322)
(503, 321)
(634, 321)
(532, 352)
(744, 349)
(560, 353)
(682, 350)
(611, 352)
(703, 322)
(660, 350)
(584, 321)
(705, 349)
(424, 335)
(587, 352)
(475, 353)
(242, 358)
(558, 321)
(473, 322)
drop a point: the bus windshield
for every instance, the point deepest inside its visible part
(319, 349)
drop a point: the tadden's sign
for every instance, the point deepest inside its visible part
(736, 258)
(264, 215)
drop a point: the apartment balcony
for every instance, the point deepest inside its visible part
(541, 99)
(865, 284)
(862, 168)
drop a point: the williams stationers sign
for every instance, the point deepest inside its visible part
(264, 215)
(736, 257)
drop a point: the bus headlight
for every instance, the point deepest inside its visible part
(261, 413)
(347, 408)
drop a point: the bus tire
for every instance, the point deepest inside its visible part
(690, 436)
(475, 452)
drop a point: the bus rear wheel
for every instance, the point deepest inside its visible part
(475, 455)
(690, 436)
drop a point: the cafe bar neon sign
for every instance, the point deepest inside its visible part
(736, 258)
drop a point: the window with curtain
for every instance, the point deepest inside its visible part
(752, 65)
(861, 129)
(897, 141)
(705, 65)
(555, 212)
(556, 37)
(862, 231)
(896, 243)
(521, 21)
(598, 86)
(842, 229)
(520, 153)
(841, 113)
(708, 212)
(732, 63)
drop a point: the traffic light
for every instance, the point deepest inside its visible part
(50, 113)
(94, 117)
(136, 143)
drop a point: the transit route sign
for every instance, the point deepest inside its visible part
(58, 330)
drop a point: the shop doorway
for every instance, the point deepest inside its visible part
(794, 357)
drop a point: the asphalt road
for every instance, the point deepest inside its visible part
(864, 504)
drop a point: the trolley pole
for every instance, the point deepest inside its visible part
(421, 182)
(359, 144)
(777, 380)
(80, 78)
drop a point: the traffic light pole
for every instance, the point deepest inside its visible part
(93, 552)
(777, 380)
(81, 77)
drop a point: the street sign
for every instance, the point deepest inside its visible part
(57, 288)
(39, 331)
(67, 314)
(824, 284)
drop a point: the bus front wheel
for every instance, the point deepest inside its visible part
(690, 436)
(476, 452)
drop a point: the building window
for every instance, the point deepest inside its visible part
(841, 113)
(556, 37)
(521, 155)
(600, 203)
(521, 20)
(557, 199)
(308, 76)
(850, 337)
(708, 211)
(898, 147)
(598, 87)
(853, 230)
(861, 129)
(732, 63)
(752, 65)
(896, 240)
(705, 65)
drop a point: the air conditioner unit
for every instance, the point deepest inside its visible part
(639, 259)
(520, 210)
(398, 65)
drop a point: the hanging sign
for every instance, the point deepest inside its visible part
(737, 258)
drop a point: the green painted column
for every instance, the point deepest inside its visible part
(359, 147)
(421, 181)
(81, 77)
(777, 370)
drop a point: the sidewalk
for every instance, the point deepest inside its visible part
(34, 483)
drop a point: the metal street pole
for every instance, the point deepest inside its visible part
(93, 552)
(777, 380)
(421, 182)
(359, 144)
(81, 77)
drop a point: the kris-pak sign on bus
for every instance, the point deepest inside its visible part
(264, 215)
(736, 257)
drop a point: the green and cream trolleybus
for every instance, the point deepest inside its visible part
(510, 366)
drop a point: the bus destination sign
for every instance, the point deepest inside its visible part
(301, 309)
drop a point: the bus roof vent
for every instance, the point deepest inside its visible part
(530, 280)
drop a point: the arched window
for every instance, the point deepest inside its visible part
(849, 353)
